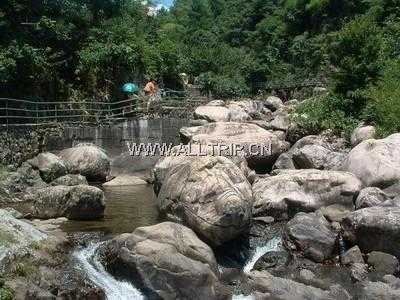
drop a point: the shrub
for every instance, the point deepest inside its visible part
(383, 106)
(355, 53)
(223, 86)
(318, 114)
(5, 292)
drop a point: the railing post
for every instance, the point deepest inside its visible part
(37, 113)
(55, 111)
(7, 112)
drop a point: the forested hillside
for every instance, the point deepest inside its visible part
(75, 49)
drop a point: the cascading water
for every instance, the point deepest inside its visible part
(272, 245)
(113, 288)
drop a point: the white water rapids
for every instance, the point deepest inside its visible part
(272, 245)
(113, 288)
(121, 290)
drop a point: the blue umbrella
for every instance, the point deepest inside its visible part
(130, 88)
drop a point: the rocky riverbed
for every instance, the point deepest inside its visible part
(317, 217)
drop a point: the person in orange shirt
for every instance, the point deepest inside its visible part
(150, 91)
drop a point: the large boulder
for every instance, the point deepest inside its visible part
(166, 261)
(376, 162)
(185, 153)
(87, 160)
(237, 113)
(266, 286)
(212, 113)
(281, 120)
(80, 202)
(261, 146)
(15, 237)
(49, 165)
(361, 134)
(292, 191)
(210, 195)
(383, 263)
(374, 229)
(254, 108)
(313, 152)
(273, 103)
(312, 234)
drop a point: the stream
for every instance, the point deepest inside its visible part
(128, 207)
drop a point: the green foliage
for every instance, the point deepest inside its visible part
(319, 114)
(87, 49)
(355, 54)
(6, 293)
(383, 107)
(223, 86)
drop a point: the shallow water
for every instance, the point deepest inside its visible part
(127, 208)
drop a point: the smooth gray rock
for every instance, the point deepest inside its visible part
(87, 160)
(292, 191)
(166, 260)
(374, 229)
(80, 202)
(352, 256)
(273, 103)
(210, 195)
(283, 289)
(50, 166)
(311, 234)
(212, 113)
(383, 263)
(261, 147)
(313, 152)
(361, 134)
(16, 236)
(375, 162)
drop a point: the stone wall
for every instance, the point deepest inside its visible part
(19, 144)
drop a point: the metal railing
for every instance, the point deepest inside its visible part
(16, 112)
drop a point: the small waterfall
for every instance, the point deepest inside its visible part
(113, 288)
(272, 245)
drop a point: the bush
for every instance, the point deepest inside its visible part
(383, 106)
(5, 292)
(355, 54)
(223, 86)
(318, 114)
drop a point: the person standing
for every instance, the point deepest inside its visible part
(150, 91)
